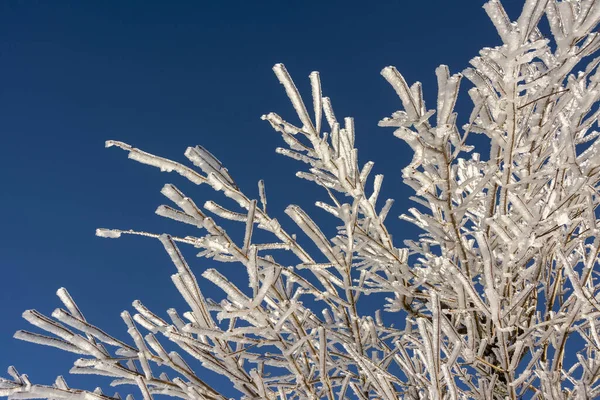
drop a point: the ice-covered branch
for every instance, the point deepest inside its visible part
(485, 304)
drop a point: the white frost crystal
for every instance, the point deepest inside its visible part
(108, 233)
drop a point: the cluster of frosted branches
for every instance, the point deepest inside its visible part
(497, 299)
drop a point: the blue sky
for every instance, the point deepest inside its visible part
(163, 76)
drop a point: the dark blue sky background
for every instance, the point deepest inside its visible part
(163, 76)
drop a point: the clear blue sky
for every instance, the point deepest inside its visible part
(163, 76)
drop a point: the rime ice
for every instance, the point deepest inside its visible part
(498, 299)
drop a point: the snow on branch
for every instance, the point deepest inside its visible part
(498, 298)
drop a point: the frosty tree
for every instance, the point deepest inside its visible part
(497, 299)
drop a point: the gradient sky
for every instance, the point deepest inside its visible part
(163, 76)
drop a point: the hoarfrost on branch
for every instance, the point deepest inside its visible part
(497, 299)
